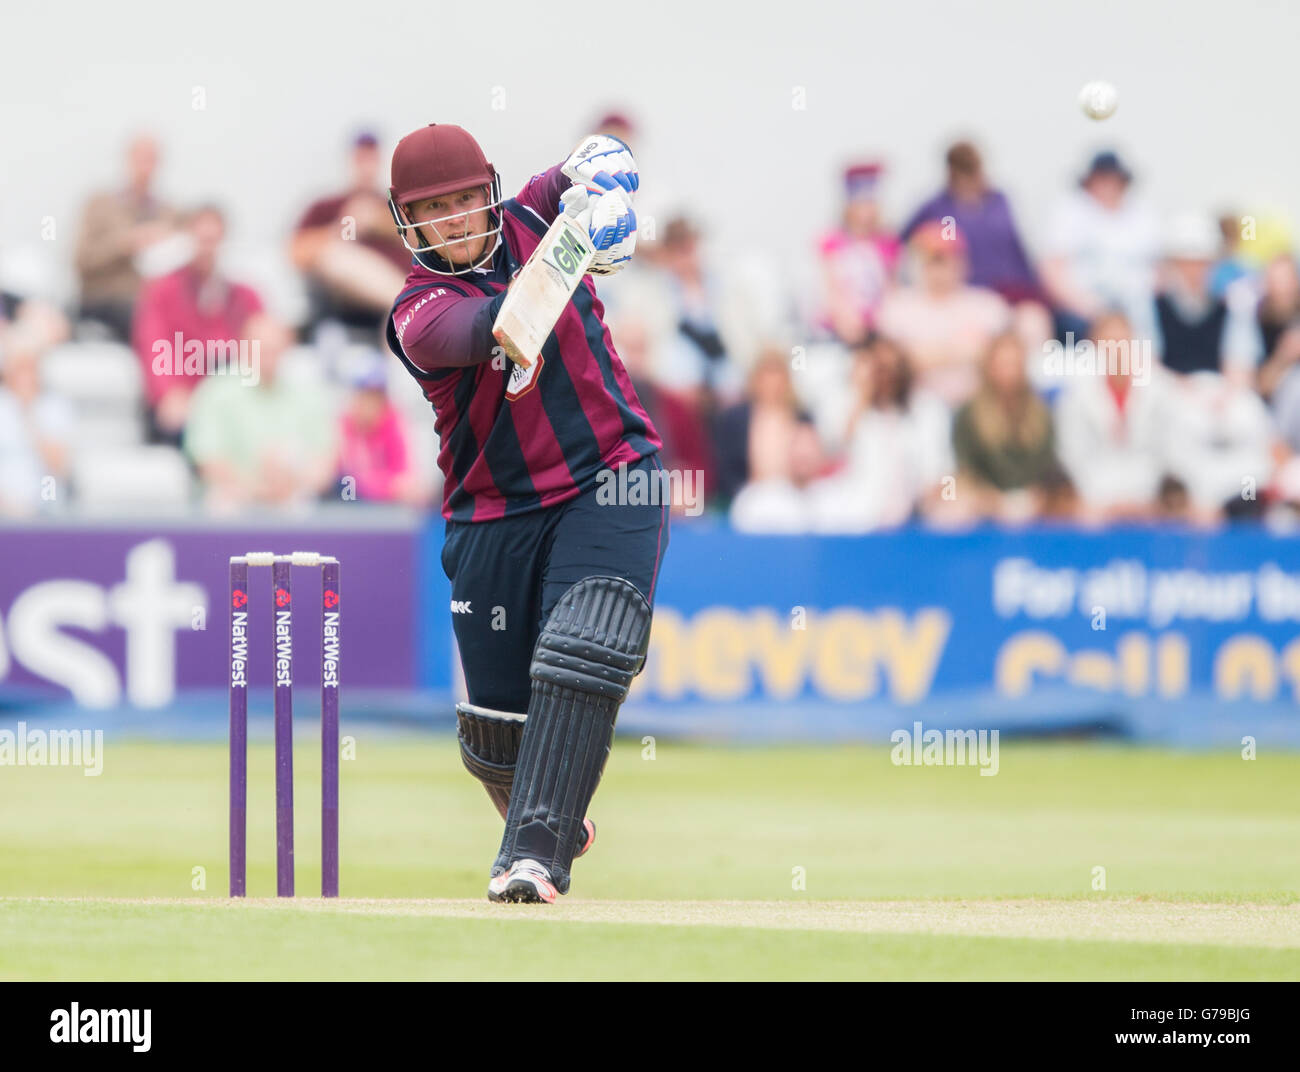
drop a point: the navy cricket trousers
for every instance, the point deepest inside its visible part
(507, 575)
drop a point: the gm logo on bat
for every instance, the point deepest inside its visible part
(567, 254)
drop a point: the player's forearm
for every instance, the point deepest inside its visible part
(460, 335)
(542, 194)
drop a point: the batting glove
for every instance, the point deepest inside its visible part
(608, 218)
(601, 164)
(613, 260)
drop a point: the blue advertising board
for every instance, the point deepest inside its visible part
(1178, 636)
(1159, 635)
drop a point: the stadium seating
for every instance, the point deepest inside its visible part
(145, 478)
(102, 381)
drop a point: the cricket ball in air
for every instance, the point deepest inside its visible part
(1098, 100)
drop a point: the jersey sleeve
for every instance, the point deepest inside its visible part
(442, 328)
(542, 192)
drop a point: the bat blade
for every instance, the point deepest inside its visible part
(542, 289)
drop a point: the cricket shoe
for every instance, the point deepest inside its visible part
(588, 838)
(523, 882)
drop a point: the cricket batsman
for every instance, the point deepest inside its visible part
(551, 583)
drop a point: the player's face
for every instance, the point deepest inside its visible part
(455, 225)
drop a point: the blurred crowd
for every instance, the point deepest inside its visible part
(1126, 364)
(1138, 366)
(172, 384)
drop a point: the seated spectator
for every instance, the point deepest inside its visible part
(25, 297)
(983, 215)
(1172, 501)
(349, 250)
(263, 444)
(1279, 303)
(766, 450)
(1218, 442)
(1101, 250)
(1004, 440)
(196, 303)
(39, 323)
(1110, 432)
(1232, 263)
(374, 457)
(775, 500)
(1197, 331)
(695, 359)
(36, 428)
(943, 324)
(117, 226)
(857, 259)
(897, 447)
(1278, 320)
(1284, 512)
(1284, 401)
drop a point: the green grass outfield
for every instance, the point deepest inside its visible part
(712, 862)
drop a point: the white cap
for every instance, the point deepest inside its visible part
(1192, 237)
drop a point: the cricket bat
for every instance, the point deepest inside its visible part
(541, 290)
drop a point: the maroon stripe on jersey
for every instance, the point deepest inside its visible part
(614, 383)
(624, 452)
(482, 415)
(583, 366)
(543, 451)
(630, 397)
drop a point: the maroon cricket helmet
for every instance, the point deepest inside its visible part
(435, 160)
(438, 159)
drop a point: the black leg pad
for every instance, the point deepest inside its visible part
(489, 748)
(586, 657)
